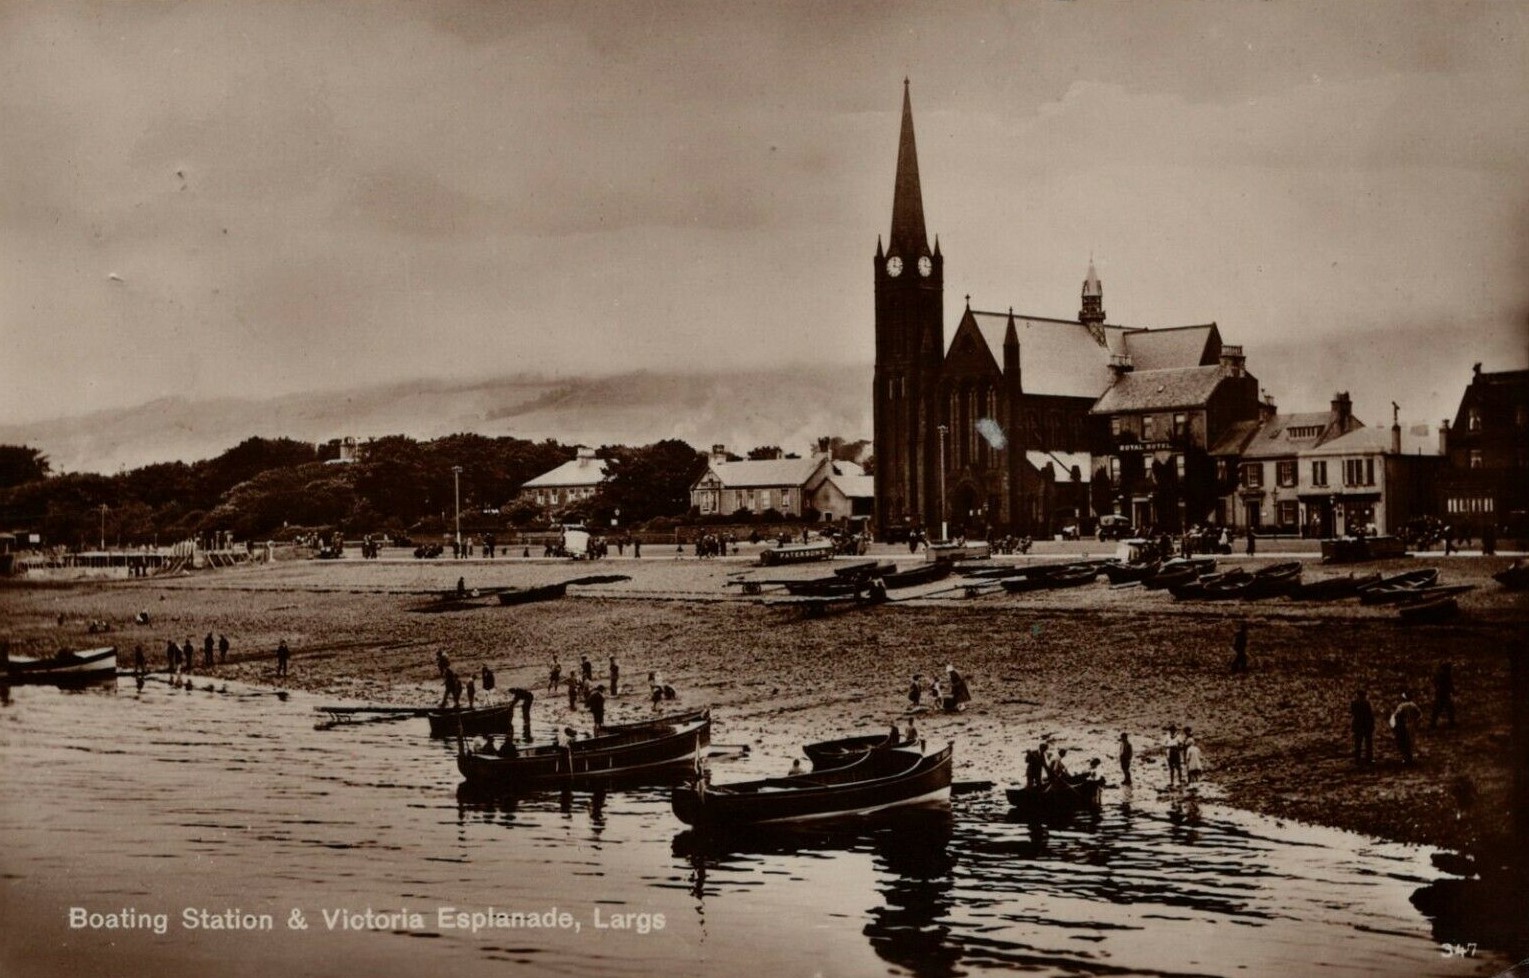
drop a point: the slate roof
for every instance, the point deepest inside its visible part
(1274, 439)
(855, 486)
(1176, 346)
(1056, 356)
(766, 473)
(1235, 438)
(582, 471)
(1158, 390)
(1417, 439)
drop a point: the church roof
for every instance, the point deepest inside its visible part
(1175, 346)
(1056, 356)
(1157, 390)
(1091, 284)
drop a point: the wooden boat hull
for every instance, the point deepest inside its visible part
(796, 553)
(546, 592)
(914, 576)
(1426, 612)
(1515, 578)
(1057, 800)
(471, 723)
(1129, 573)
(825, 587)
(1072, 577)
(628, 755)
(828, 754)
(66, 668)
(879, 781)
(1332, 588)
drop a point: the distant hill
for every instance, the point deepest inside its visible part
(785, 406)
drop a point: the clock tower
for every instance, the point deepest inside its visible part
(910, 349)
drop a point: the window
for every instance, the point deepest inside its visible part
(1359, 471)
(1285, 472)
(1319, 473)
(1473, 420)
(1221, 469)
(1146, 427)
(1180, 425)
(1253, 475)
(1303, 431)
(1115, 470)
(1178, 466)
(1475, 457)
(1115, 426)
(1288, 514)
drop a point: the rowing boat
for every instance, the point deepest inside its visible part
(629, 753)
(826, 754)
(796, 553)
(1057, 798)
(472, 722)
(67, 667)
(880, 780)
(544, 592)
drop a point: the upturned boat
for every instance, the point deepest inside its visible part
(1332, 588)
(878, 781)
(67, 667)
(1515, 577)
(796, 553)
(629, 753)
(527, 595)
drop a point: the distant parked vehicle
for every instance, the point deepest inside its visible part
(1115, 528)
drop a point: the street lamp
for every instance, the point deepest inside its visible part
(944, 529)
(103, 527)
(456, 491)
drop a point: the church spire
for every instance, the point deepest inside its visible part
(908, 235)
(1092, 313)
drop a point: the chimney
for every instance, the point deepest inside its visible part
(1444, 437)
(1232, 360)
(718, 454)
(1343, 411)
(1120, 365)
(1396, 438)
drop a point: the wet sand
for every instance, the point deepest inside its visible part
(1083, 664)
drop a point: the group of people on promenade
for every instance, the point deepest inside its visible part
(1405, 719)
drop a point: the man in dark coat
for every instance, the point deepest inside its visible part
(1362, 720)
(596, 703)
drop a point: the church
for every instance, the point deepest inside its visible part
(1000, 431)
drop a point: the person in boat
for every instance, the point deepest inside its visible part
(893, 737)
(487, 746)
(508, 748)
(796, 767)
(910, 735)
(1092, 775)
(1058, 773)
(1033, 767)
(655, 690)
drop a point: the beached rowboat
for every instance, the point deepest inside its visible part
(545, 592)
(67, 667)
(879, 781)
(796, 553)
(634, 752)
(471, 722)
(826, 754)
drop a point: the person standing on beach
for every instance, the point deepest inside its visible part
(1362, 722)
(1193, 760)
(139, 665)
(1175, 748)
(586, 668)
(615, 676)
(222, 648)
(472, 692)
(1403, 718)
(1126, 750)
(915, 690)
(486, 676)
(555, 677)
(207, 647)
(282, 655)
(442, 662)
(573, 693)
(596, 703)
(172, 656)
(959, 695)
(1252, 541)
(188, 655)
(1443, 694)
(1240, 648)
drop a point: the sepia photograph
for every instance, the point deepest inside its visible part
(810, 489)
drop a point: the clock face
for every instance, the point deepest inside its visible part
(925, 266)
(894, 266)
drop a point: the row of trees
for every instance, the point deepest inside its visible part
(397, 485)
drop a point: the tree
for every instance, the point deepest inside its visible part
(764, 453)
(651, 481)
(20, 464)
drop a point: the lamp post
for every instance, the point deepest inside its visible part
(944, 529)
(103, 527)
(456, 491)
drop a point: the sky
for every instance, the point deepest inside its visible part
(254, 199)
